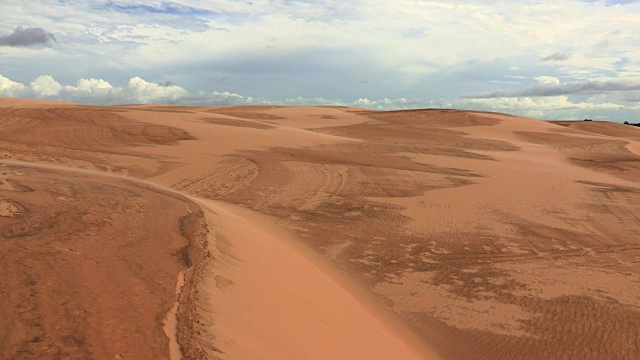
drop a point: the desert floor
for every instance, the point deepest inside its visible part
(173, 232)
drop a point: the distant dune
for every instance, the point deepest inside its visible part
(175, 232)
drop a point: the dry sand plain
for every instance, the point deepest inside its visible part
(315, 233)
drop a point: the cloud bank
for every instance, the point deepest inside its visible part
(140, 91)
(99, 91)
(551, 86)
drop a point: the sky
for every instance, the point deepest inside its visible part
(571, 59)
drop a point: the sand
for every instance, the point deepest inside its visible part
(317, 232)
(87, 270)
(274, 300)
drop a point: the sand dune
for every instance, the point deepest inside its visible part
(603, 128)
(271, 299)
(316, 233)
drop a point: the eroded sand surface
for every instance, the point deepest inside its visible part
(87, 269)
(324, 233)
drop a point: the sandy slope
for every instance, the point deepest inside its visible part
(603, 128)
(272, 299)
(471, 234)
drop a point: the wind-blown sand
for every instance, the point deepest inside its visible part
(272, 300)
(316, 233)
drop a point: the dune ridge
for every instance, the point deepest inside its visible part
(337, 322)
(457, 234)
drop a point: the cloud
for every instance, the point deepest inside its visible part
(95, 87)
(10, 88)
(558, 56)
(521, 105)
(146, 92)
(317, 101)
(393, 104)
(21, 37)
(553, 107)
(405, 55)
(539, 105)
(138, 90)
(45, 86)
(550, 86)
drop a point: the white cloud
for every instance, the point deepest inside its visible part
(394, 104)
(93, 86)
(99, 91)
(10, 88)
(45, 86)
(318, 101)
(539, 105)
(552, 107)
(529, 106)
(145, 92)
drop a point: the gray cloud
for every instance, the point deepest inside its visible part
(558, 56)
(575, 87)
(21, 37)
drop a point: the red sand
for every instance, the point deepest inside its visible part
(320, 233)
